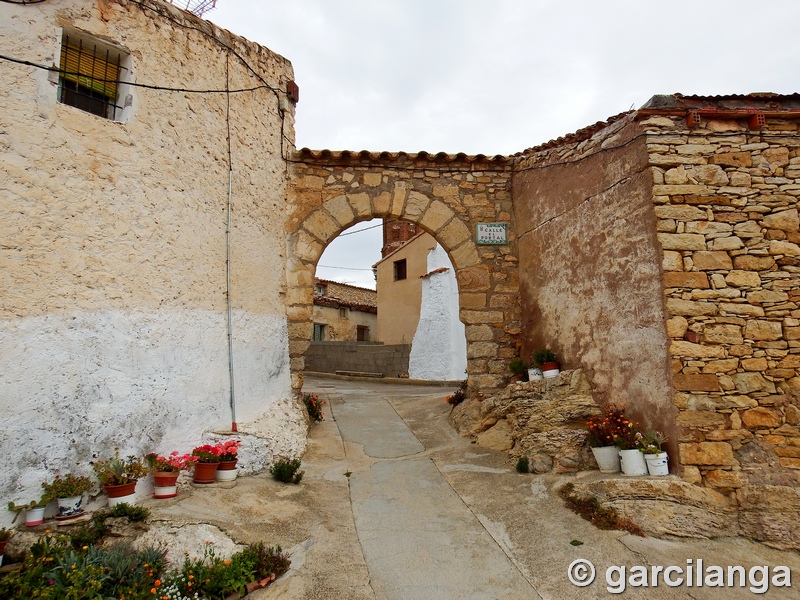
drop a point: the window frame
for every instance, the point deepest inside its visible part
(400, 269)
(318, 334)
(72, 90)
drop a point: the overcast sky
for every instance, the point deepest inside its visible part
(499, 76)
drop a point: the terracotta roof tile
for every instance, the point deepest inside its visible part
(365, 155)
(342, 294)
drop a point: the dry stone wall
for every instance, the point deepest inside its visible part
(726, 198)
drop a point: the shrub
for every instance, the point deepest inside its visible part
(522, 465)
(286, 470)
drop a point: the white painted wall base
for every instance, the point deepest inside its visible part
(76, 384)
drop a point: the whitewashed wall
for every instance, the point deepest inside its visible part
(439, 348)
(112, 262)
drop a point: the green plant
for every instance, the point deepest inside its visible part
(522, 465)
(599, 516)
(314, 406)
(286, 470)
(68, 486)
(517, 366)
(269, 560)
(208, 453)
(628, 437)
(118, 471)
(134, 514)
(543, 356)
(651, 441)
(6, 534)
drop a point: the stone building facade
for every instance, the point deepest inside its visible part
(344, 312)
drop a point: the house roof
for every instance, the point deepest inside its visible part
(342, 294)
(382, 157)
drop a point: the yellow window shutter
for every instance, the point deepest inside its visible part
(90, 68)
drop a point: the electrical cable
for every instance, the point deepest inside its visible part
(130, 83)
(360, 230)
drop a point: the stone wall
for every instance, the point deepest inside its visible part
(589, 266)
(330, 357)
(113, 312)
(725, 196)
(445, 195)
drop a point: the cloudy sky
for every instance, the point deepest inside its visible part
(500, 76)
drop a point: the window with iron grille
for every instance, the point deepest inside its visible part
(91, 75)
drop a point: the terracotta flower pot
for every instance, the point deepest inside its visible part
(165, 484)
(120, 493)
(205, 472)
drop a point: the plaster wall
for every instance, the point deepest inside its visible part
(590, 268)
(400, 301)
(439, 348)
(113, 315)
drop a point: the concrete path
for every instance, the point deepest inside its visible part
(395, 504)
(419, 539)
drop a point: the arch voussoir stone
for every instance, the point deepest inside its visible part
(446, 199)
(341, 210)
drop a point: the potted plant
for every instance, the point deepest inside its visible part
(166, 471)
(118, 476)
(518, 367)
(657, 460)
(547, 362)
(228, 457)
(5, 535)
(205, 469)
(34, 510)
(602, 430)
(629, 441)
(68, 491)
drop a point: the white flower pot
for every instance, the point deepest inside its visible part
(34, 516)
(165, 491)
(657, 464)
(535, 373)
(632, 462)
(70, 507)
(607, 458)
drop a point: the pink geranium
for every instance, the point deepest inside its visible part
(229, 450)
(174, 462)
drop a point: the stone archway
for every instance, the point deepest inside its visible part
(445, 196)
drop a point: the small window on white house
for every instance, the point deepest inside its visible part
(92, 75)
(342, 312)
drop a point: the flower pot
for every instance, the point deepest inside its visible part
(632, 462)
(120, 493)
(165, 484)
(70, 507)
(2, 551)
(607, 458)
(657, 464)
(550, 369)
(34, 516)
(226, 471)
(205, 472)
(535, 373)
